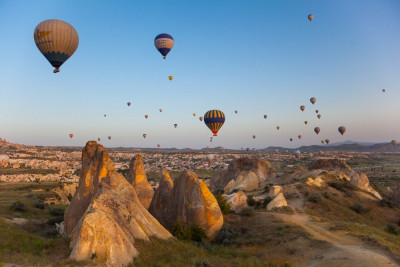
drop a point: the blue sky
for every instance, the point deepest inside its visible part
(257, 57)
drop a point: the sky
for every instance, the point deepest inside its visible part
(257, 57)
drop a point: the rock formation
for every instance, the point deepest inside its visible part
(277, 202)
(272, 192)
(237, 201)
(190, 202)
(105, 216)
(396, 194)
(158, 207)
(137, 177)
(243, 174)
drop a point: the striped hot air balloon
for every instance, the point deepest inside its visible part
(164, 43)
(214, 119)
(57, 40)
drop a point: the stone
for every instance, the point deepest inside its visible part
(277, 202)
(317, 181)
(361, 181)
(274, 190)
(158, 207)
(237, 201)
(137, 177)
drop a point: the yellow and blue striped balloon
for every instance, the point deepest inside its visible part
(214, 119)
(164, 43)
(57, 40)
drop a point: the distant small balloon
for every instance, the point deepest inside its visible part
(327, 141)
(254, 137)
(319, 116)
(105, 115)
(210, 158)
(310, 17)
(158, 145)
(322, 141)
(299, 136)
(109, 137)
(302, 108)
(129, 104)
(160, 109)
(313, 100)
(316, 111)
(146, 116)
(291, 139)
(305, 122)
(278, 127)
(265, 116)
(383, 90)
(170, 78)
(393, 142)
(98, 139)
(201, 118)
(194, 114)
(236, 111)
(144, 135)
(317, 130)
(342, 130)
(71, 135)
(175, 125)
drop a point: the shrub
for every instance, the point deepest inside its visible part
(385, 202)
(251, 201)
(314, 197)
(56, 211)
(226, 235)
(326, 195)
(341, 186)
(179, 231)
(248, 211)
(196, 233)
(69, 196)
(359, 208)
(390, 228)
(55, 220)
(223, 204)
(18, 206)
(39, 204)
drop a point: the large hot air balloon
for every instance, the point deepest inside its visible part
(393, 142)
(175, 125)
(291, 139)
(109, 137)
(236, 111)
(144, 135)
(210, 158)
(57, 40)
(129, 104)
(327, 141)
(310, 17)
(313, 100)
(317, 130)
(342, 130)
(164, 43)
(146, 116)
(170, 78)
(4, 159)
(214, 119)
(254, 137)
(160, 109)
(299, 136)
(302, 108)
(305, 122)
(319, 116)
(201, 118)
(71, 135)
(194, 114)
(265, 116)
(278, 127)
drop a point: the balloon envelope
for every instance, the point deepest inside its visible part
(201, 118)
(317, 130)
(214, 119)
(210, 158)
(175, 125)
(129, 104)
(236, 111)
(319, 116)
(313, 100)
(164, 43)
(342, 130)
(57, 40)
(299, 136)
(265, 116)
(302, 108)
(71, 135)
(393, 142)
(170, 78)
(310, 17)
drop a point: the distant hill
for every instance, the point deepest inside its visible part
(348, 142)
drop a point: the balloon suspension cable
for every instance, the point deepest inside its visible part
(56, 70)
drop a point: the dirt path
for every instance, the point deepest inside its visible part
(346, 250)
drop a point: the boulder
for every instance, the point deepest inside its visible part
(191, 202)
(251, 174)
(158, 207)
(277, 202)
(237, 201)
(361, 181)
(274, 190)
(111, 214)
(137, 177)
(317, 181)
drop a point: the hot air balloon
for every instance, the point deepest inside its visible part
(310, 17)
(327, 141)
(4, 159)
(201, 118)
(236, 111)
(170, 78)
(317, 130)
(214, 119)
(71, 135)
(129, 104)
(146, 116)
(57, 40)
(305, 122)
(98, 139)
(194, 114)
(144, 135)
(164, 43)
(313, 100)
(316, 111)
(158, 145)
(278, 127)
(175, 125)
(254, 137)
(393, 142)
(322, 141)
(210, 158)
(105, 115)
(160, 109)
(319, 116)
(299, 136)
(109, 137)
(302, 108)
(247, 149)
(297, 153)
(342, 130)
(383, 90)
(265, 116)
(291, 139)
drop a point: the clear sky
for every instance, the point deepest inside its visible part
(257, 57)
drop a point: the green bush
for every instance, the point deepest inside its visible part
(248, 211)
(196, 233)
(57, 211)
(390, 228)
(359, 208)
(223, 204)
(18, 206)
(69, 196)
(251, 201)
(314, 197)
(39, 204)
(179, 231)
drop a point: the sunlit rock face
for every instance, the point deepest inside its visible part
(137, 177)
(277, 202)
(243, 174)
(237, 201)
(190, 202)
(106, 216)
(158, 207)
